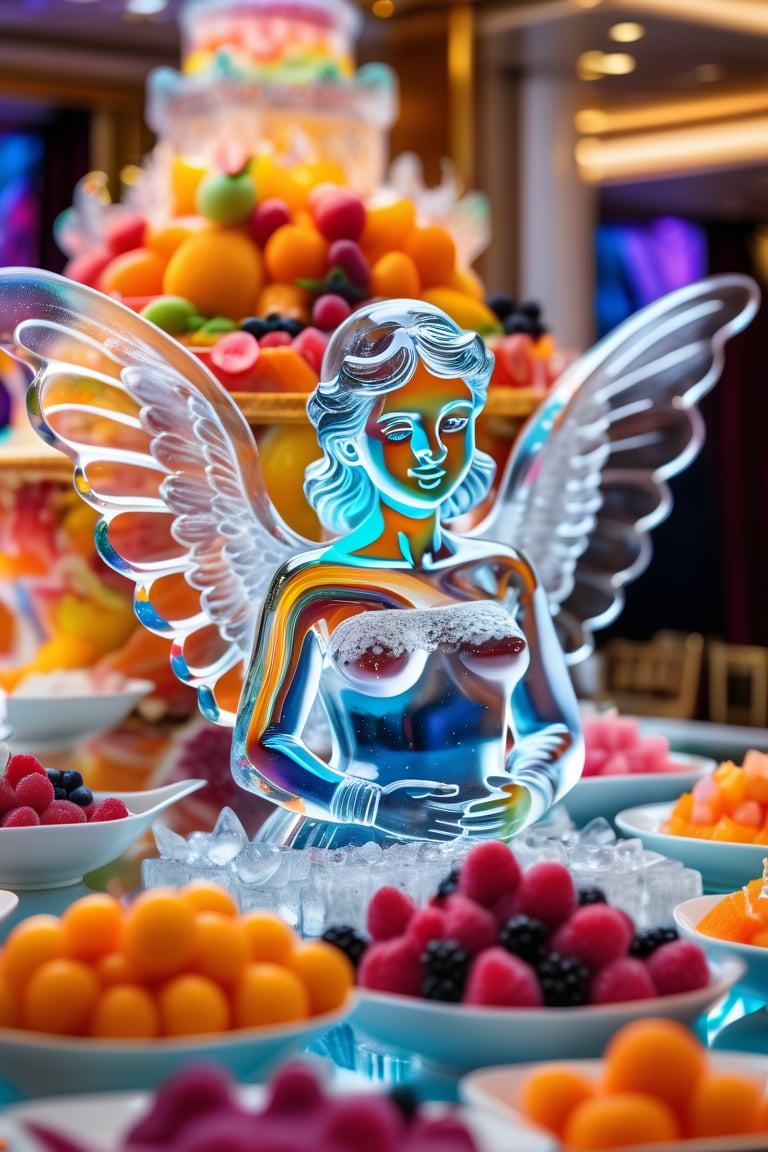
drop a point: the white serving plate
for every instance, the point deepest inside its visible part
(724, 866)
(50, 723)
(754, 982)
(57, 855)
(498, 1089)
(594, 796)
(459, 1037)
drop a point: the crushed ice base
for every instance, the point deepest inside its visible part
(312, 888)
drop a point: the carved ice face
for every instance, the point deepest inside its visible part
(419, 440)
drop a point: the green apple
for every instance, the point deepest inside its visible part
(226, 198)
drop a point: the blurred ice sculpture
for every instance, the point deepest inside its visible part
(437, 657)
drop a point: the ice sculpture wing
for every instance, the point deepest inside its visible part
(586, 479)
(163, 453)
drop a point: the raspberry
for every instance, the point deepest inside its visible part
(497, 978)
(596, 934)
(389, 913)
(524, 936)
(548, 893)
(351, 943)
(425, 925)
(21, 817)
(21, 765)
(110, 808)
(624, 979)
(34, 790)
(564, 980)
(489, 872)
(7, 797)
(444, 965)
(679, 966)
(473, 926)
(391, 966)
(506, 907)
(62, 812)
(294, 1088)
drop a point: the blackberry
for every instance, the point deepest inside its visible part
(564, 980)
(347, 939)
(405, 1099)
(444, 970)
(502, 304)
(652, 938)
(524, 936)
(448, 884)
(591, 895)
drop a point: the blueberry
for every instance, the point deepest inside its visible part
(71, 779)
(82, 796)
(60, 793)
(54, 775)
(502, 304)
(256, 326)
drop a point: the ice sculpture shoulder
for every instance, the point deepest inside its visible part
(437, 658)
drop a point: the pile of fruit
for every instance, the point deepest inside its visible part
(615, 746)
(496, 935)
(171, 963)
(731, 804)
(742, 916)
(254, 269)
(656, 1085)
(199, 1110)
(31, 794)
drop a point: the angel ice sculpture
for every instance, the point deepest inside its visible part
(438, 658)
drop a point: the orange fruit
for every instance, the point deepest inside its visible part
(59, 997)
(433, 251)
(222, 950)
(93, 926)
(549, 1095)
(269, 937)
(394, 275)
(296, 251)
(220, 270)
(139, 272)
(326, 972)
(654, 1056)
(160, 934)
(618, 1120)
(269, 994)
(125, 1012)
(725, 1104)
(30, 943)
(285, 451)
(191, 1004)
(386, 227)
(206, 897)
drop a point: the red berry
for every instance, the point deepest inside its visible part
(110, 808)
(330, 310)
(389, 913)
(295, 1087)
(426, 924)
(7, 797)
(34, 790)
(87, 267)
(498, 978)
(125, 233)
(391, 966)
(235, 352)
(596, 934)
(276, 339)
(547, 892)
(348, 256)
(21, 817)
(506, 907)
(21, 765)
(311, 344)
(267, 217)
(338, 214)
(626, 978)
(680, 966)
(489, 872)
(472, 925)
(63, 812)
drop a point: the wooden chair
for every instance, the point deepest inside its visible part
(660, 677)
(738, 684)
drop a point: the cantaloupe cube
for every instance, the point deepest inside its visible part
(728, 829)
(730, 919)
(755, 769)
(732, 783)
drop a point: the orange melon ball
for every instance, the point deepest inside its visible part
(166, 238)
(59, 997)
(269, 937)
(219, 270)
(656, 1056)
(269, 994)
(394, 275)
(206, 897)
(284, 300)
(31, 943)
(296, 251)
(285, 451)
(614, 1121)
(725, 1104)
(190, 1005)
(548, 1095)
(115, 968)
(433, 251)
(160, 934)
(223, 948)
(386, 227)
(326, 972)
(125, 1012)
(139, 272)
(93, 926)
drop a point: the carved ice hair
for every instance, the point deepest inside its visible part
(375, 352)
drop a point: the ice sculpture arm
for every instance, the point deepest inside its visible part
(586, 480)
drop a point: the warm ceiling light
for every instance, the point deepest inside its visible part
(627, 32)
(740, 15)
(595, 65)
(590, 120)
(383, 9)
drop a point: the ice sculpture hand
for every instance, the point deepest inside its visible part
(435, 658)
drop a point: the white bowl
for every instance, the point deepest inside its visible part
(604, 796)
(754, 982)
(102, 1120)
(459, 1037)
(52, 723)
(8, 901)
(723, 864)
(56, 855)
(41, 1064)
(498, 1090)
